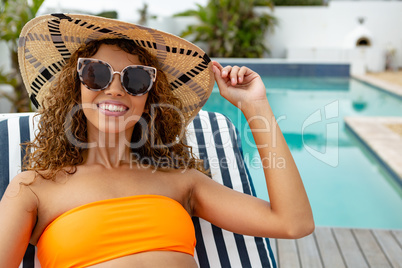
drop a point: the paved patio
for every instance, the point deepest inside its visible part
(391, 77)
(378, 135)
(388, 81)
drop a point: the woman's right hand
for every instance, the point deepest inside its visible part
(241, 86)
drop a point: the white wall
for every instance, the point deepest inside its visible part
(321, 32)
(324, 33)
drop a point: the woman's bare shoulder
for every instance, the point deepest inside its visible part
(19, 193)
(27, 181)
(24, 178)
(190, 174)
(190, 177)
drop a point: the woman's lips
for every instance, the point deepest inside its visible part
(112, 108)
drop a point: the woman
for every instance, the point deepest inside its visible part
(109, 181)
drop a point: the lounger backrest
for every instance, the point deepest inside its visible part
(215, 140)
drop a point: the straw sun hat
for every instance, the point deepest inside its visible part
(47, 42)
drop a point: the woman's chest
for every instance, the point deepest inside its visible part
(86, 187)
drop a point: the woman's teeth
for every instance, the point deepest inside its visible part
(112, 107)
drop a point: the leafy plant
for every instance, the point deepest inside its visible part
(14, 14)
(144, 15)
(299, 2)
(231, 28)
(111, 14)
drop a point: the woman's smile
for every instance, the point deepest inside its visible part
(112, 108)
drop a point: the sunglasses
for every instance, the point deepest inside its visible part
(97, 75)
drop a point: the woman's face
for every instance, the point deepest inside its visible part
(112, 110)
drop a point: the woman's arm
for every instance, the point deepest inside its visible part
(288, 215)
(18, 209)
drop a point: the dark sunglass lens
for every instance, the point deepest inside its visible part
(95, 75)
(136, 80)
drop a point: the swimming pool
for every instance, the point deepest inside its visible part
(347, 186)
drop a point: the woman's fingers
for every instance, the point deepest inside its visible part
(234, 75)
(231, 75)
(217, 64)
(226, 71)
(242, 73)
(220, 80)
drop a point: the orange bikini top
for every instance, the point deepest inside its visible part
(113, 228)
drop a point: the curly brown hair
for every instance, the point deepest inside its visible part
(52, 150)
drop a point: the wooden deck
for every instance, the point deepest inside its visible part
(341, 247)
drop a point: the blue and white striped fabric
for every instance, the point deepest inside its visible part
(215, 140)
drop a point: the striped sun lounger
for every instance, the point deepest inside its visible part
(215, 140)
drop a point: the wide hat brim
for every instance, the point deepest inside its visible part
(47, 42)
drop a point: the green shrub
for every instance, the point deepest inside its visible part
(231, 28)
(299, 2)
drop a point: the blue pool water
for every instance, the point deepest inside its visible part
(346, 184)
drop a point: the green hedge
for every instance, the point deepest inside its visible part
(299, 2)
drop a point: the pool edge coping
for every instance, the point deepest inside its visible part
(378, 138)
(381, 84)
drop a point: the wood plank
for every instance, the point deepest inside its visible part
(341, 247)
(308, 252)
(390, 246)
(398, 236)
(329, 250)
(287, 254)
(349, 248)
(371, 249)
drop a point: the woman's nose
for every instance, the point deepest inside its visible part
(115, 88)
